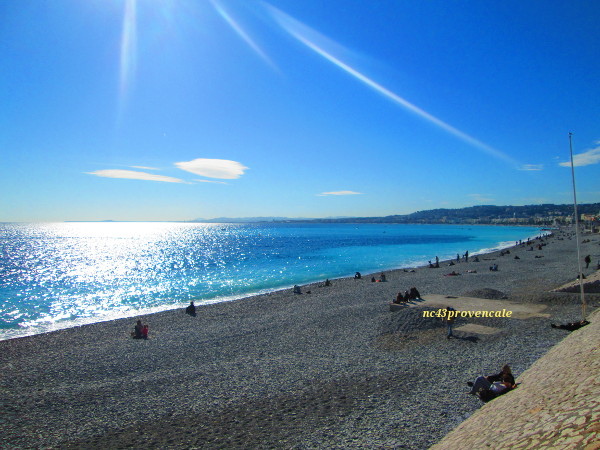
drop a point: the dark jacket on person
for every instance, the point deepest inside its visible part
(502, 377)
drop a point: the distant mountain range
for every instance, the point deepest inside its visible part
(483, 214)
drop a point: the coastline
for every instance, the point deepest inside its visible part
(325, 369)
(15, 333)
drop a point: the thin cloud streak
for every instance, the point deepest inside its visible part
(298, 30)
(481, 198)
(323, 194)
(144, 168)
(531, 167)
(241, 33)
(134, 175)
(211, 181)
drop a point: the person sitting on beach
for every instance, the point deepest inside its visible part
(494, 268)
(476, 259)
(357, 276)
(488, 387)
(145, 331)
(297, 289)
(382, 277)
(327, 282)
(137, 331)
(191, 309)
(399, 298)
(414, 293)
(571, 326)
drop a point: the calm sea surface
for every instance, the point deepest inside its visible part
(60, 275)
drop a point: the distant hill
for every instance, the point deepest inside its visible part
(546, 214)
(484, 214)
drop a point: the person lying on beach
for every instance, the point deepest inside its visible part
(137, 330)
(452, 274)
(571, 326)
(488, 387)
(191, 309)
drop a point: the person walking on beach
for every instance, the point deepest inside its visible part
(587, 260)
(449, 321)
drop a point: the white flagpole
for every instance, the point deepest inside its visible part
(583, 305)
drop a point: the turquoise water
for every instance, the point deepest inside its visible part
(60, 275)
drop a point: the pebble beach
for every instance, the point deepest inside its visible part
(333, 367)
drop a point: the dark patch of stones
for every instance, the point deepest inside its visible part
(487, 293)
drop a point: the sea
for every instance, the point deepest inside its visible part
(61, 275)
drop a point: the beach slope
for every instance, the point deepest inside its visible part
(331, 367)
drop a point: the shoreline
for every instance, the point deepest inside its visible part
(333, 368)
(17, 333)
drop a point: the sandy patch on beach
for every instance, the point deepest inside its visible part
(519, 310)
(477, 329)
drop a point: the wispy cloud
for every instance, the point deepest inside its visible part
(134, 175)
(590, 157)
(144, 168)
(241, 33)
(318, 43)
(213, 168)
(323, 194)
(531, 167)
(481, 198)
(211, 181)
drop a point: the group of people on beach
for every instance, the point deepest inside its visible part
(140, 331)
(491, 386)
(436, 265)
(409, 295)
(382, 279)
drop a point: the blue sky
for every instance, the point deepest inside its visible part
(183, 109)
